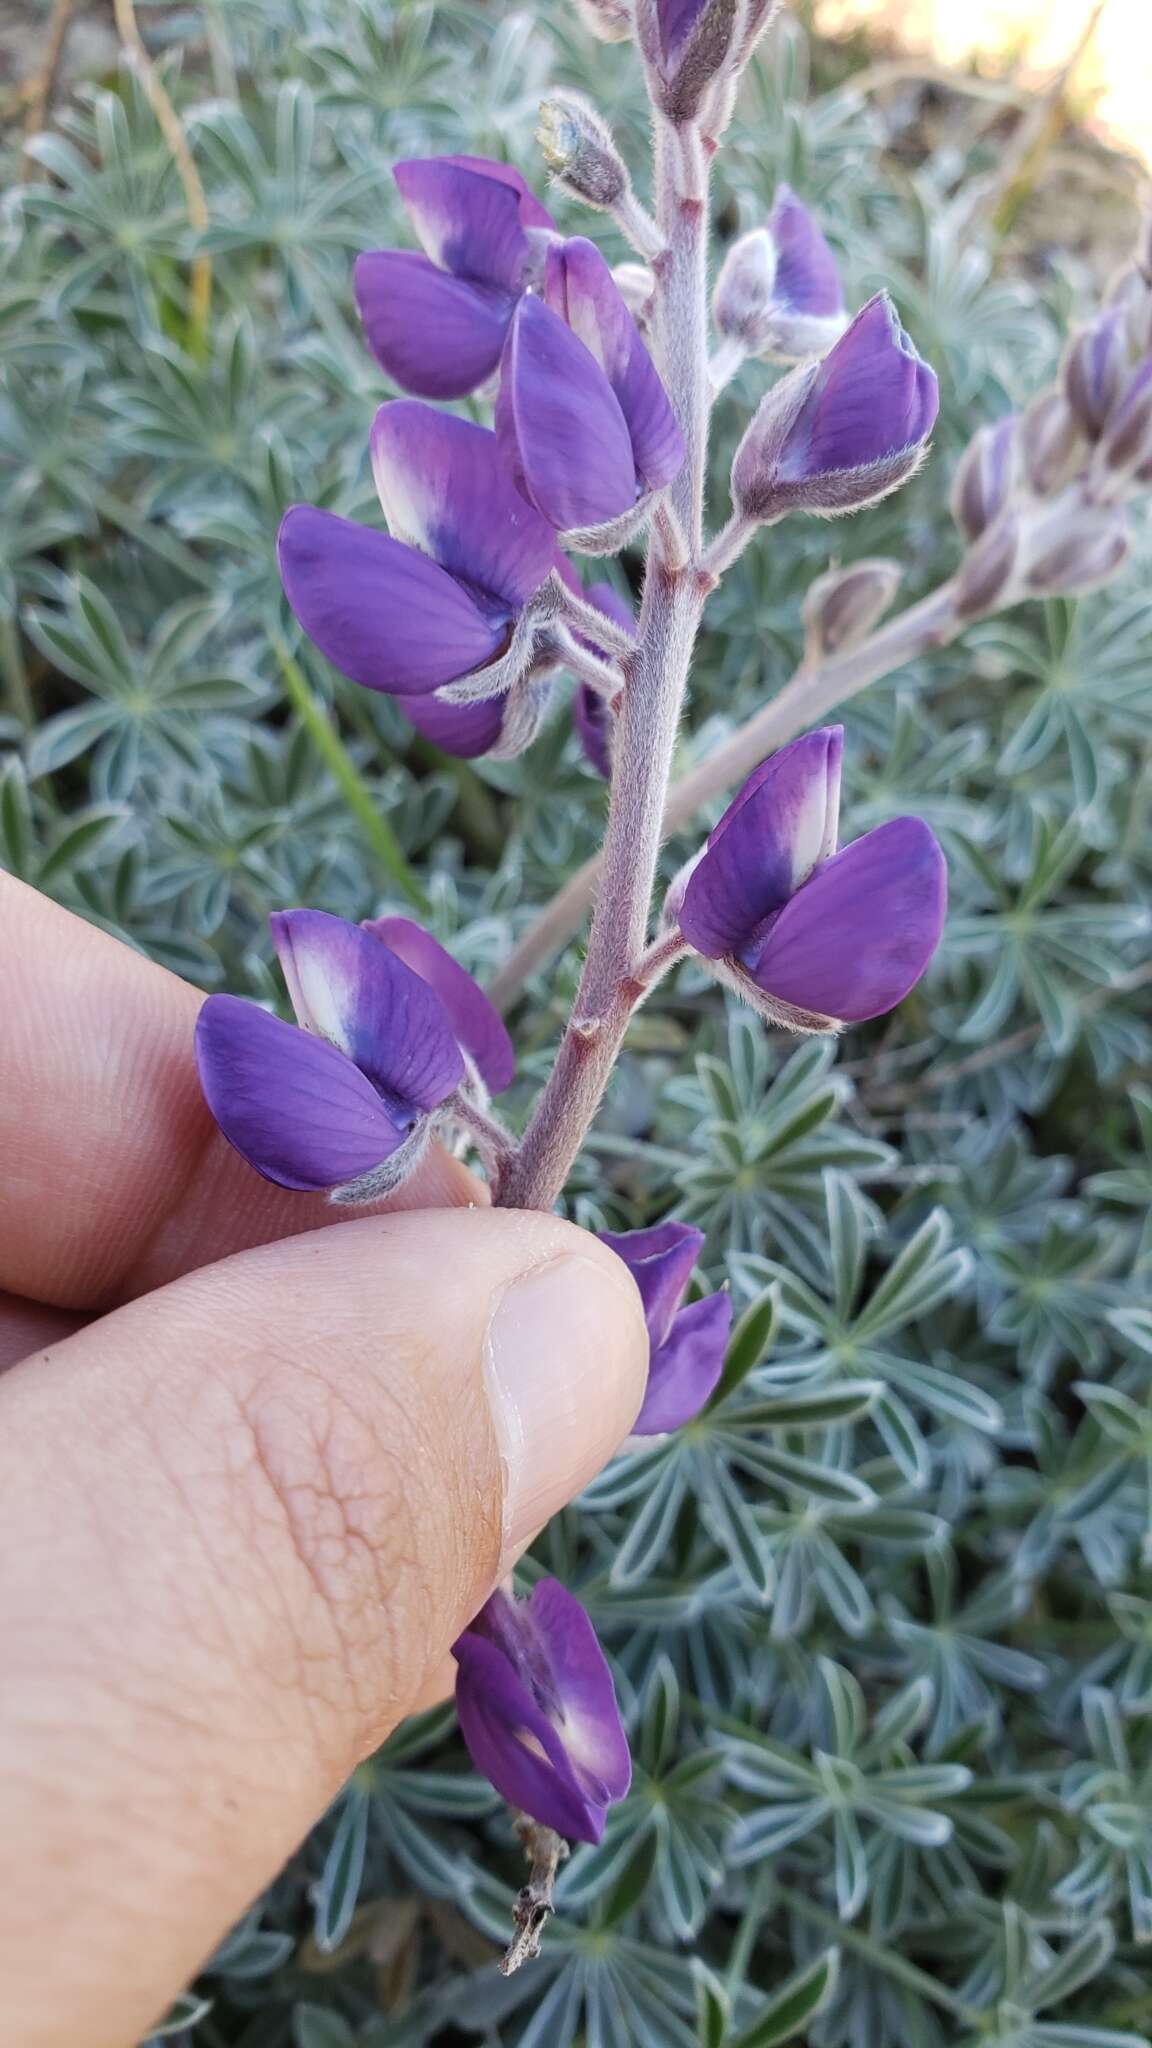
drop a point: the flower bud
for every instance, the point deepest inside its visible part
(986, 571)
(1096, 370)
(1049, 444)
(1131, 293)
(538, 1712)
(610, 21)
(1128, 440)
(843, 605)
(778, 292)
(688, 44)
(984, 477)
(579, 151)
(840, 434)
(1089, 552)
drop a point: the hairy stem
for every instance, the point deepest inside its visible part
(655, 676)
(809, 695)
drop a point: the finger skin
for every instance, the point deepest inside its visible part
(115, 1178)
(27, 1326)
(241, 1522)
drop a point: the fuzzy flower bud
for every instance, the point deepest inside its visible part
(840, 434)
(778, 292)
(1087, 554)
(1096, 370)
(579, 150)
(688, 46)
(1127, 443)
(1049, 444)
(843, 605)
(984, 477)
(986, 571)
(810, 937)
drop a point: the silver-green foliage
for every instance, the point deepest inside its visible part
(883, 1615)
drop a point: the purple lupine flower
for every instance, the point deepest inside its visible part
(811, 937)
(687, 1345)
(837, 435)
(537, 1709)
(437, 322)
(346, 1099)
(443, 595)
(778, 293)
(582, 419)
(591, 713)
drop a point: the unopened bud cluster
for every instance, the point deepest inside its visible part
(1041, 498)
(578, 149)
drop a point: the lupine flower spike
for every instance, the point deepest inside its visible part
(538, 1710)
(436, 322)
(389, 1029)
(444, 596)
(837, 435)
(810, 937)
(687, 1344)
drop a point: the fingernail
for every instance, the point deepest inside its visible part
(565, 1360)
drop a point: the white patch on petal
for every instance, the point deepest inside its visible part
(323, 993)
(404, 497)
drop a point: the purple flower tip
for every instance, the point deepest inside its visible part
(478, 1026)
(807, 278)
(687, 1345)
(538, 1712)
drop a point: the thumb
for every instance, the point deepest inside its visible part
(241, 1522)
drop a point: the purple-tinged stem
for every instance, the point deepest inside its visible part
(656, 672)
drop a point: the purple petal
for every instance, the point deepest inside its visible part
(872, 397)
(858, 936)
(686, 1368)
(580, 287)
(532, 213)
(381, 612)
(444, 490)
(293, 1107)
(660, 1261)
(466, 730)
(477, 1025)
(589, 1716)
(513, 1744)
(437, 335)
(348, 988)
(593, 719)
(779, 828)
(468, 222)
(538, 1709)
(559, 424)
(807, 279)
(677, 19)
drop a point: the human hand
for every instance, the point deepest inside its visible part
(256, 1473)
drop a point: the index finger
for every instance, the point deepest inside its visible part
(113, 1176)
